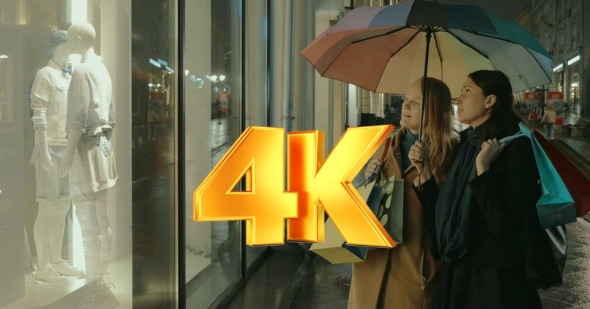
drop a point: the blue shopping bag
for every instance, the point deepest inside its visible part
(556, 205)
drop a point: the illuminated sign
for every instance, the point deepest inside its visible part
(313, 185)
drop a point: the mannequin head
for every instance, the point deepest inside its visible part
(58, 38)
(81, 37)
(60, 54)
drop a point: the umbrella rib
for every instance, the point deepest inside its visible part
(500, 39)
(380, 35)
(405, 44)
(420, 29)
(468, 45)
(361, 40)
(528, 51)
(397, 51)
(438, 51)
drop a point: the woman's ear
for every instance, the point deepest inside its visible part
(490, 101)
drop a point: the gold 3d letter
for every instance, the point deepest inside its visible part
(259, 156)
(313, 186)
(327, 186)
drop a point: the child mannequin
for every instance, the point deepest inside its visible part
(48, 102)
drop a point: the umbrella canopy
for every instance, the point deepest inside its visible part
(385, 49)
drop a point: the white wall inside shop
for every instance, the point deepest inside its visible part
(115, 49)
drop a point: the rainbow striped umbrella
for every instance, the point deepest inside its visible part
(384, 49)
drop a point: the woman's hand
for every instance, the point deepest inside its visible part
(416, 156)
(371, 167)
(490, 150)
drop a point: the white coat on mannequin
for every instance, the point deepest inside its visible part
(88, 157)
(48, 103)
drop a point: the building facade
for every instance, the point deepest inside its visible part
(563, 27)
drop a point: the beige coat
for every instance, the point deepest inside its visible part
(392, 278)
(548, 117)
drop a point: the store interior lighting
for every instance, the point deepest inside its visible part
(155, 63)
(573, 60)
(558, 68)
(79, 11)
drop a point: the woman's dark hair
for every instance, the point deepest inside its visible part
(503, 120)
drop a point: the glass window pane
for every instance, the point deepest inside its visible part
(212, 58)
(87, 183)
(152, 113)
(73, 231)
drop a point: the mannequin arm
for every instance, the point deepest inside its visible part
(66, 163)
(41, 143)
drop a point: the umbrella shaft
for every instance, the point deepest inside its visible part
(428, 35)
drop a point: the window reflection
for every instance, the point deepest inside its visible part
(212, 79)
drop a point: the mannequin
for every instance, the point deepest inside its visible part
(48, 102)
(88, 158)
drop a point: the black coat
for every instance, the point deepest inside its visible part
(492, 274)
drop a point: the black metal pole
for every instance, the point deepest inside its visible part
(181, 162)
(428, 35)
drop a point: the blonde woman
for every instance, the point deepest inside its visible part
(404, 277)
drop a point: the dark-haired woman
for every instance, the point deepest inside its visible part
(486, 201)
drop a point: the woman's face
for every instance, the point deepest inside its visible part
(471, 104)
(411, 108)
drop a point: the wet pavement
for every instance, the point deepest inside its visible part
(326, 286)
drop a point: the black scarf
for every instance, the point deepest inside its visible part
(454, 207)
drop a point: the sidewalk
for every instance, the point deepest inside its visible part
(326, 286)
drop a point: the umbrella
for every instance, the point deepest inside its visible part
(384, 49)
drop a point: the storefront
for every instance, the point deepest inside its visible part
(574, 86)
(184, 85)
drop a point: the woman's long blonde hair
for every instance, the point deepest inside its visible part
(438, 126)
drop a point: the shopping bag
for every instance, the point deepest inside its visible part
(575, 180)
(334, 248)
(545, 252)
(391, 208)
(556, 205)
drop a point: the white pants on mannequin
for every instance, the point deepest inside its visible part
(49, 232)
(91, 211)
(96, 234)
(54, 202)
